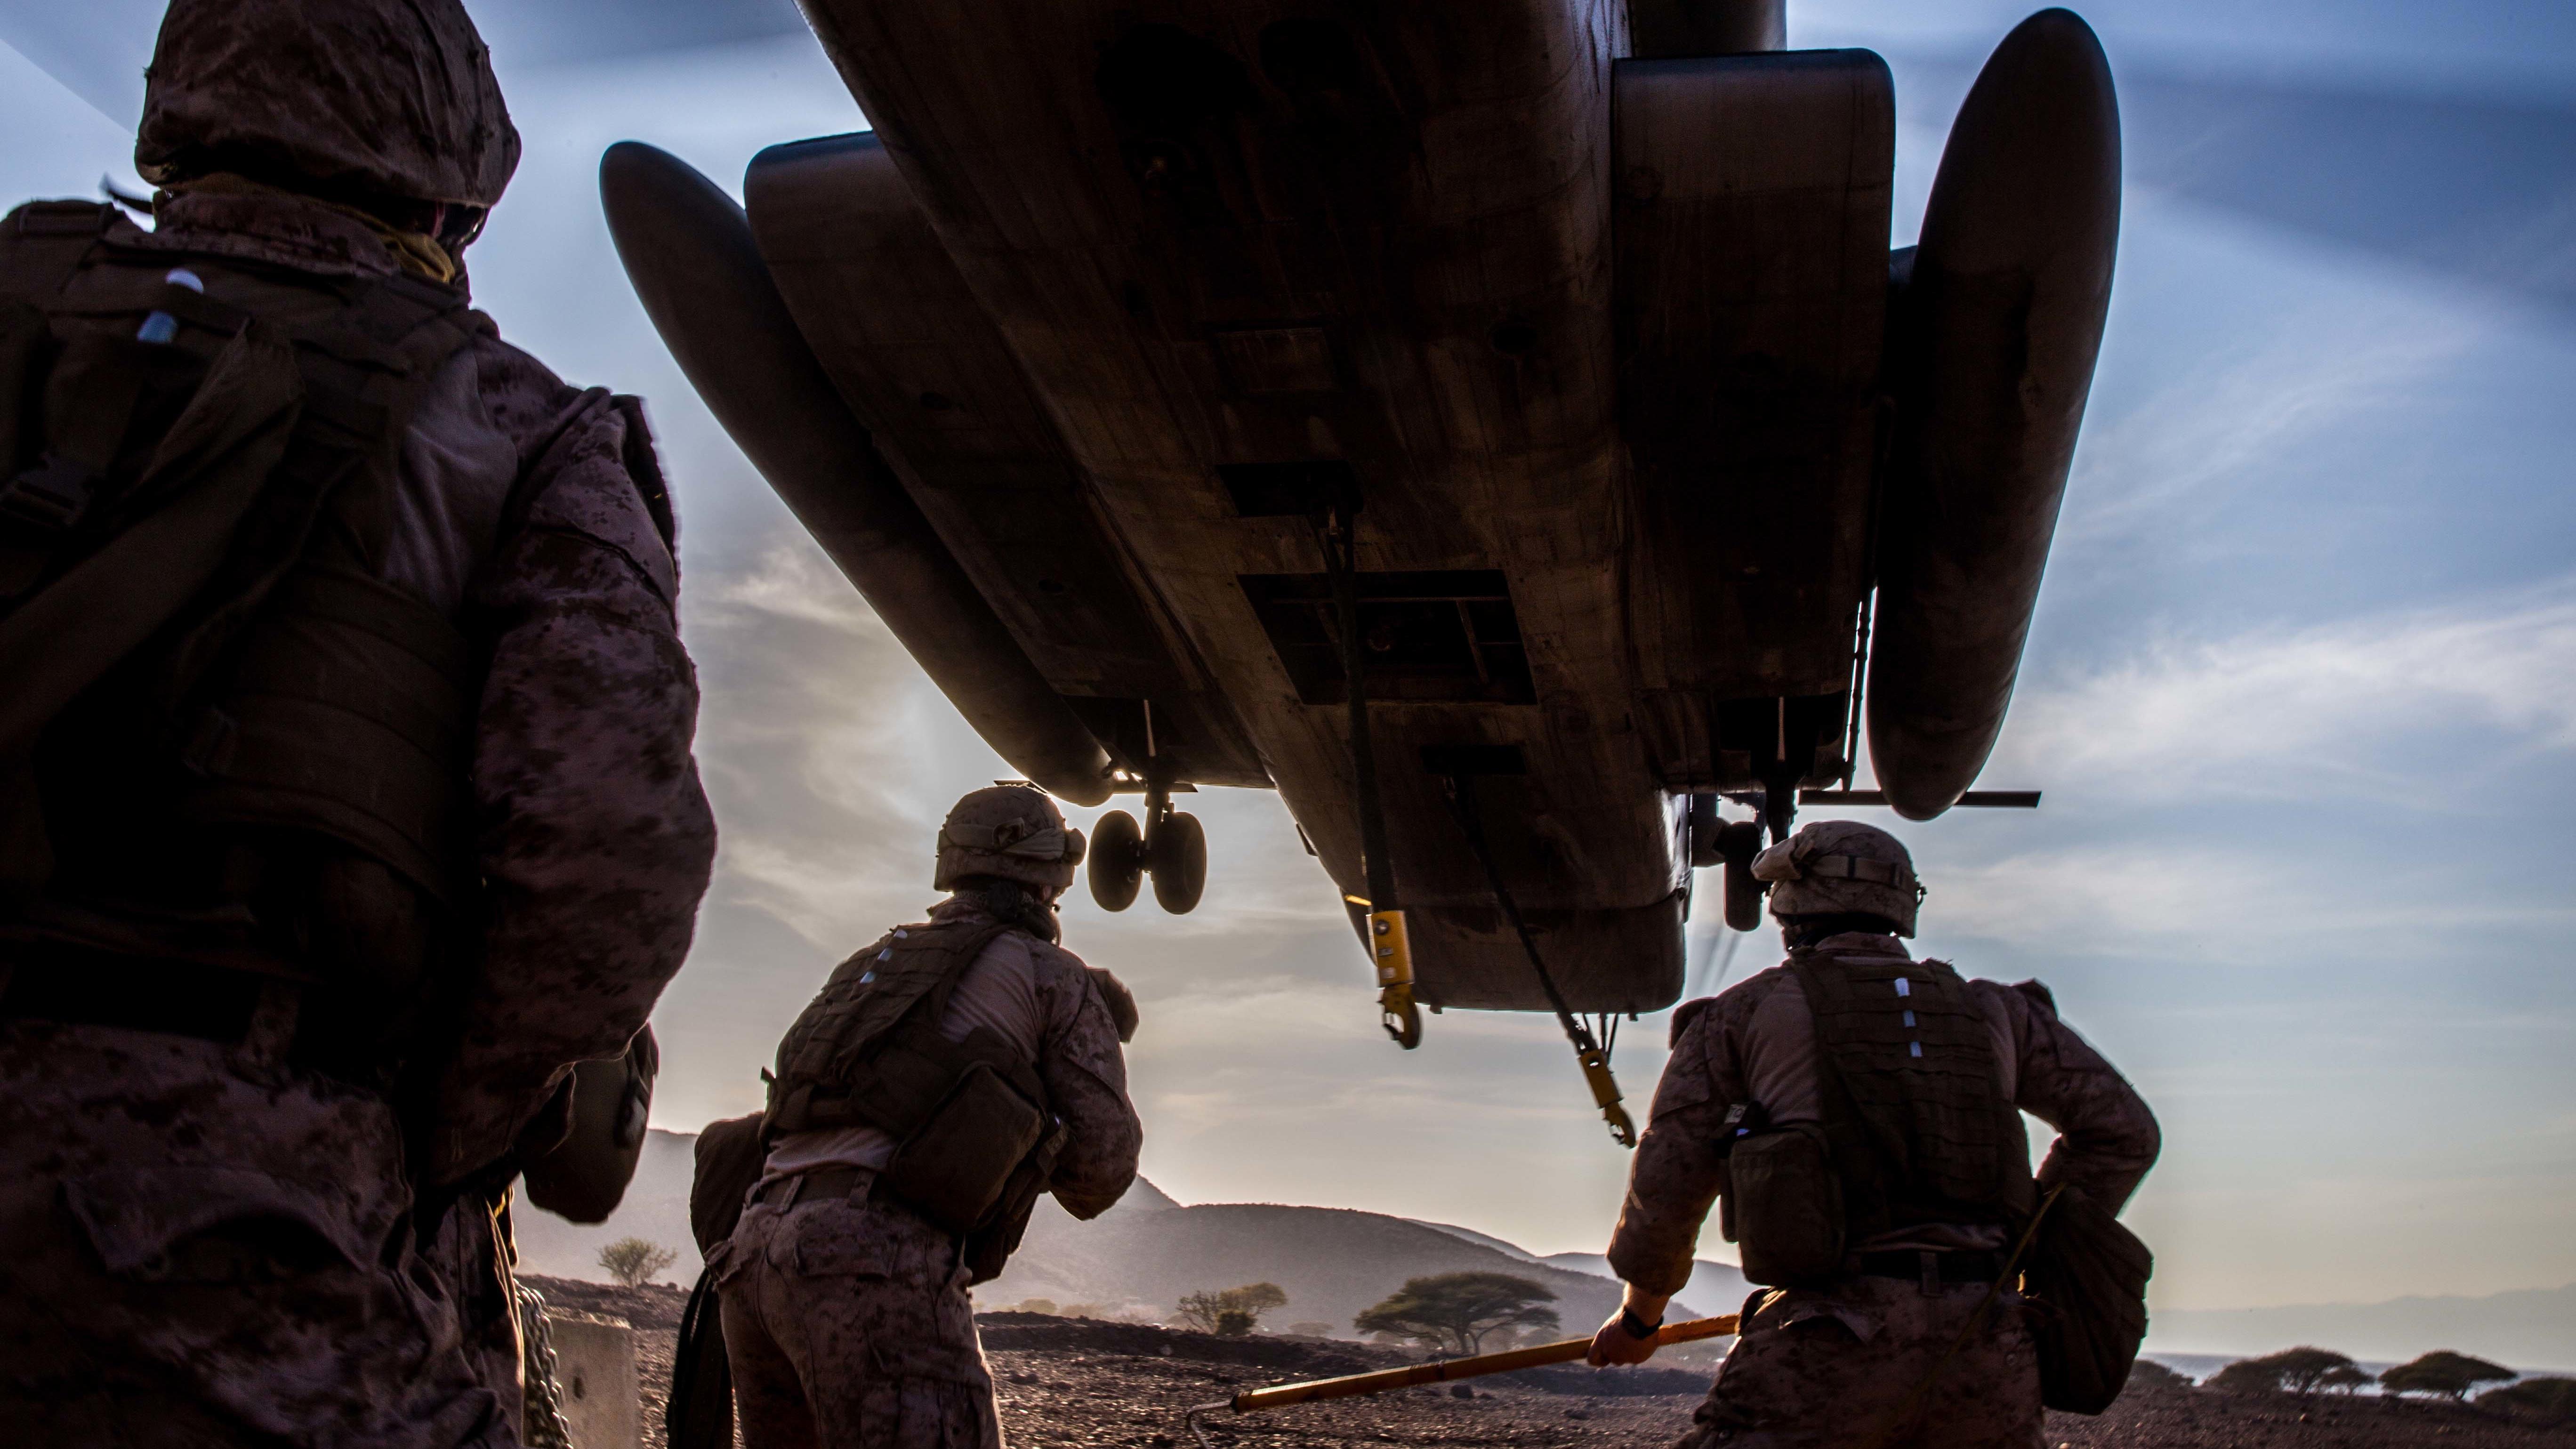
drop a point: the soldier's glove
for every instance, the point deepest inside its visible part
(1120, 1001)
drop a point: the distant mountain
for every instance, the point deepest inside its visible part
(1333, 1262)
(1140, 1256)
(1149, 1250)
(2531, 1328)
(1716, 1287)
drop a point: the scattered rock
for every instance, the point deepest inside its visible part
(1135, 1386)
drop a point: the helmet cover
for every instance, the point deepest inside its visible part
(1009, 831)
(1833, 867)
(388, 98)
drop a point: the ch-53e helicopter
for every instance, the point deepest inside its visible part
(1499, 425)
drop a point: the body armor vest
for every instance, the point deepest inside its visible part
(1916, 1128)
(236, 745)
(975, 1135)
(1914, 1108)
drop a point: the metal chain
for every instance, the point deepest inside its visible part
(546, 1425)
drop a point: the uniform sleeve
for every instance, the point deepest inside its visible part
(594, 835)
(1086, 1077)
(2107, 1139)
(1677, 1172)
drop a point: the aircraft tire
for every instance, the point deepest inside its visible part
(1117, 866)
(1177, 855)
(1743, 897)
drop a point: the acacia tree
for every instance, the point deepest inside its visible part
(1232, 1312)
(1457, 1310)
(2544, 1401)
(634, 1261)
(2444, 1372)
(2301, 1370)
(2150, 1376)
(2346, 1379)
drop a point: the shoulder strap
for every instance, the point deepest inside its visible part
(933, 1007)
(43, 242)
(879, 996)
(364, 375)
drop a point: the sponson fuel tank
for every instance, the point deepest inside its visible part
(689, 251)
(1993, 340)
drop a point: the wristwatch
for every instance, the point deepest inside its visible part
(1635, 1326)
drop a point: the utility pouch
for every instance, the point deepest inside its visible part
(1786, 1206)
(2086, 1303)
(954, 1168)
(731, 1154)
(585, 1176)
(988, 1249)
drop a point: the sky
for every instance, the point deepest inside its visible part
(2301, 690)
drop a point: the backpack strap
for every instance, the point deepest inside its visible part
(43, 245)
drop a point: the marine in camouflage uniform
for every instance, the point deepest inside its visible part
(1849, 1359)
(223, 1137)
(846, 1317)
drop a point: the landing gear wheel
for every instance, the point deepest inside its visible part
(1743, 898)
(1177, 856)
(1117, 866)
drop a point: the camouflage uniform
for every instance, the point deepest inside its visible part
(1835, 1365)
(211, 1239)
(846, 1319)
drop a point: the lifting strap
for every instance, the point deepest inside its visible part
(1390, 948)
(1588, 1050)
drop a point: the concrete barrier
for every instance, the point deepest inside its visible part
(595, 1369)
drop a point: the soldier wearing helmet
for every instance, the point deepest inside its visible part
(350, 799)
(947, 1075)
(1854, 1113)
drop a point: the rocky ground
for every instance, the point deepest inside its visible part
(1080, 1384)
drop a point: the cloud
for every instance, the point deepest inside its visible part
(2115, 893)
(810, 742)
(2199, 440)
(2267, 712)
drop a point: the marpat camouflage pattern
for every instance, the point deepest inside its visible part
(1831, 1366)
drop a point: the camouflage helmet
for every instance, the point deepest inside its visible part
(1835, 866)
(364, 98)
(1011, 831)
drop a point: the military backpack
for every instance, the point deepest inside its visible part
(975, 1135)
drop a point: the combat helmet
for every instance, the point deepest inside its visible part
(360, 101)
(1833, 867)
(1008, 831)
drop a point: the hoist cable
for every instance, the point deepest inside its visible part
(1588, 1051)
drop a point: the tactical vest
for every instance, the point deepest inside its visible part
(975, 1135)
(226, 741)
(1916, 1126)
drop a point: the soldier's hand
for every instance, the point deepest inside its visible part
(1615, 1345)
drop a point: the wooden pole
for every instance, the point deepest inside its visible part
(1450, 1370)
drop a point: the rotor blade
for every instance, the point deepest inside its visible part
(542, 32)
(1726, 958)
(1973, 800)
(1699, 963)
(98, 48)
(2473, 187)
(2483, 189)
